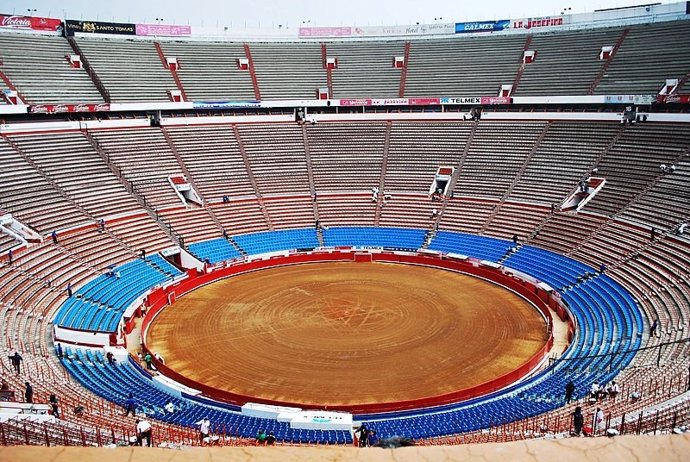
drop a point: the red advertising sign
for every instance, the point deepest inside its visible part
(545, 21)
(679, 99)
(30, 22)
(60, 108)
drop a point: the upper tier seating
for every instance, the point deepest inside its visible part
(365, 69)
(467, 66)
(131, 70)
(650, 54)
(288, 70)
(566, 62)
(209, 71)
(39, 69)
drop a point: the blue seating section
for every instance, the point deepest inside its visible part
(215, 251)
(482, 247)
(99, 304)
(288, 239)
(163, 265)
(549, 267)
(391, 238)
(609, 324)
(115, 382)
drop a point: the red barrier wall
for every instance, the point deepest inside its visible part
(538, 297)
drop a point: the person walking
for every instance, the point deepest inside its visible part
(569, 390)
(53, 401)
(16, 361)
(653, 327)
(578, 420)
(29, 393)
(143, 432)
(130, 406)
(204, 429)
(148, 359)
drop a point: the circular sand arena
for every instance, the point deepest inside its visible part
(348, 333)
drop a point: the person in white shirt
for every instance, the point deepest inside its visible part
(170, 407)
(143, 431)
(598, 421)
(204, 429)
(594, 391)
(613, 389)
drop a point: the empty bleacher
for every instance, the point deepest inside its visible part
(365, 69)
(650, 54)
(346, 157)
(145, 160)
(209, 70)
(467, 66)
(131, 70)
(72, 162)
(266, 242)
(212, 156)
(288, 70)
(566, 62)
(39, 68)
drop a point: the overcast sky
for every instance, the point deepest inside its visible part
(292, 13)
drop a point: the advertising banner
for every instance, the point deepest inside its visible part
(377, 31)
(163, 29)
(224, 104)
(478, 100)
(60, 108)
(30, 22)
(393, 31)
(544, 21)
(678, 99)
(305, 32)
(96, 27)
(481, 26)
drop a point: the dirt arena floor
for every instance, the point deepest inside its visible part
(347, 333)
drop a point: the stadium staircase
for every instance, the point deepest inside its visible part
(180, 161)
(310, 173)
(131, 189)
(605, 66)
(105, 94)
(173, 72)
(456, 175)
(612, 218)
(515, 181)
(384, 168)
(250, 174)
(11, 86)
(252, 72)
(403, 71)
(521, 69)
(329, 71)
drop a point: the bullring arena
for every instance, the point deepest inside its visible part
(346, 334)
(304, 238)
